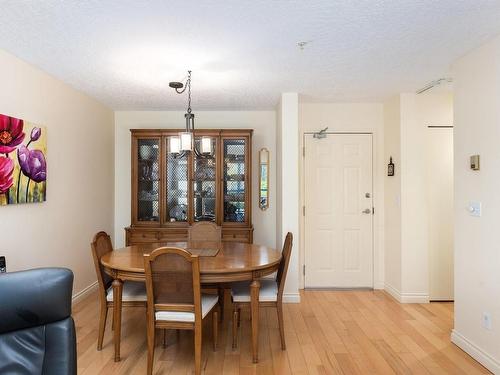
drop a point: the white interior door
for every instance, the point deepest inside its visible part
(440, 198)
(338, 211)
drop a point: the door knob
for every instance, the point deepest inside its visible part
(367, 211)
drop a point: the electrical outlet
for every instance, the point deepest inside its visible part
(486, 321)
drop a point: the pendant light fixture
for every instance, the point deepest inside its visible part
(185, 142)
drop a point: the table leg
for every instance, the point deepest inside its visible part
(254, 304)
(117, 315)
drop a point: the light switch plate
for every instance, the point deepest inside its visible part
(475, 209)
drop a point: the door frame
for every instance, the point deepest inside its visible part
(375, 192)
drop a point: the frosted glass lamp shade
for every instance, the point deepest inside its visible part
(186, 141)
(175, 145)
(206, 145)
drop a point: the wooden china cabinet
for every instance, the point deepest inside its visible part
(171, 191)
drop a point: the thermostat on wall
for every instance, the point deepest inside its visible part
(474, 162)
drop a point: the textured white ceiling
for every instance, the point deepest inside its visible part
(244, 53)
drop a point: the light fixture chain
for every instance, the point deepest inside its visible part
(189, 91)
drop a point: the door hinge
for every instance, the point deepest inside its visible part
(373, 210)
(304, 270)
(304, 151)
(303, 210)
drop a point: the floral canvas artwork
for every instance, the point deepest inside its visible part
(23, 167)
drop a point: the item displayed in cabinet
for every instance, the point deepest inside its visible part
(148, 152)
(178, 213)
(205, 217)
(234, 197)
(237, 177)
(204, 173)
(145, 172)
(148, 195)
(233, 213)
(235, 158)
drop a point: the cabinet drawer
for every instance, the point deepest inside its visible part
(173, 235)
(235, 236)
(143, 236)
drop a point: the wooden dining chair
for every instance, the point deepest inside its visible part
(270, 293)
(204, 231)
(133, 295)
(175, 300)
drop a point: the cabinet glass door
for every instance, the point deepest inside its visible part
(176, 185)
(234, 186)
(204, 183)
(148, 180)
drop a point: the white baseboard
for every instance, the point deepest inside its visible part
(379, 285)
(85, 292)
(291, 297)
(475, 352)
(406, 297)
(393, 292)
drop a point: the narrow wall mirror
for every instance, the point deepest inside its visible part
(264, 179)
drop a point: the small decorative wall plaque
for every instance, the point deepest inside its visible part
(390, 168)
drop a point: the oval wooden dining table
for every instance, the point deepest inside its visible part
(233, 261)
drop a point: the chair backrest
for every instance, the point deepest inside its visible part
(173, 281)
(101, 245)
(204, 231)
(283, 267)
(37, 332)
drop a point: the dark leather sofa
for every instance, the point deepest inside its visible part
(37, 332)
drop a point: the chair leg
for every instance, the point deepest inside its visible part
(197, 348)
(236, 319)
(112, 323)
(279, 309)
(215, 322)
(151, 346)
(222, 294)
(102, 325)
(164, 338)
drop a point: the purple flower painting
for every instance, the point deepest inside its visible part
(23, 165)
(11, 133)
(32, 163)
(6, 177)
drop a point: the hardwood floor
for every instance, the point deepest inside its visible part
(340, 332)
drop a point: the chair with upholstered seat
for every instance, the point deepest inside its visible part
(133, 294)
(174, 298)
(270, 293)
(206, 231)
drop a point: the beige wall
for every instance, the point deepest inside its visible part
(264, 125)
(352, 117)
(79, 202)
(392, 191)
(288, 166)
(407, 216)
(477, 255)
